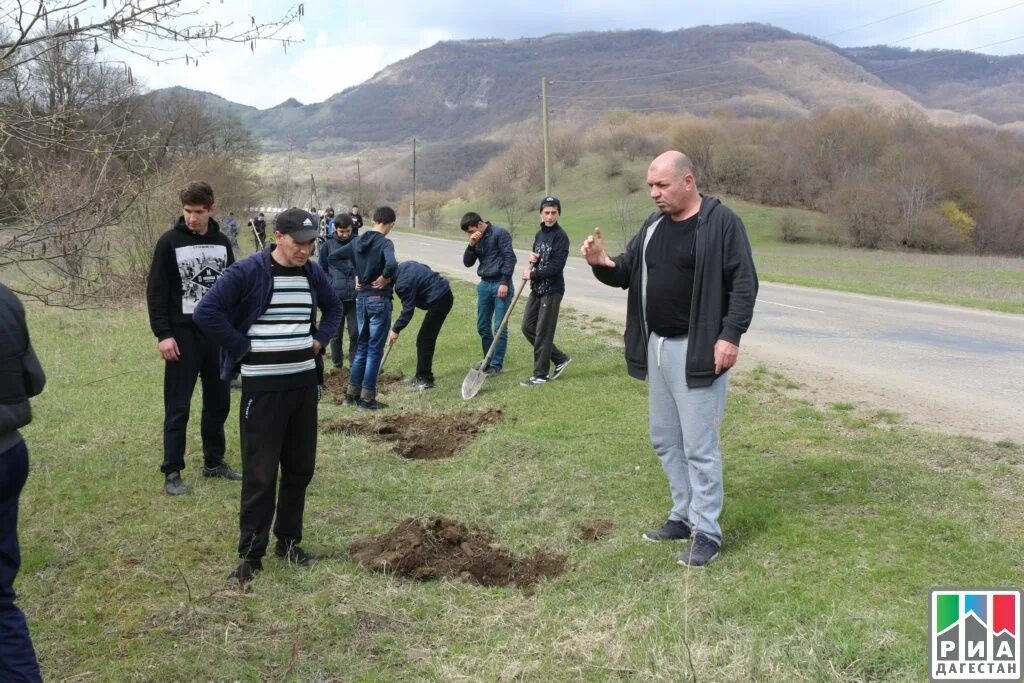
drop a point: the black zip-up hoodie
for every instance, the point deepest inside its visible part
(724, 291)
(552, 245)
(374, 255)
(21, 375)
(185, 266)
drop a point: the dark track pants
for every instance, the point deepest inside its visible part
(278, 430)
(348, 320)
(426, 340)
(17, 657)
(539, 322)
(199, 359)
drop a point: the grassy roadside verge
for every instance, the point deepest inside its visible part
(591, 199)
(838, 523)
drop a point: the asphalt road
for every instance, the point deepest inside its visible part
(945, 368)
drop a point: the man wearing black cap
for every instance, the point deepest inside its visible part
(547, 286)
(262, 312)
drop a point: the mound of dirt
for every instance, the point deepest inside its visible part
(418, 436)
(336, 382)
(426, 550)
(595, 529)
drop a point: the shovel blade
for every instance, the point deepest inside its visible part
(471, 385)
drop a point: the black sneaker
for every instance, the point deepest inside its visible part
(534, 381)
(351, 400)
(245, 572)
(701, 552)
(422, 384)
(560, 368)
(493, 370)
(672, 530)
(294, 554)
(371, 405)
(173, 485)
(222, 471)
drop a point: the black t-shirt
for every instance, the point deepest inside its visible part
(671, 259)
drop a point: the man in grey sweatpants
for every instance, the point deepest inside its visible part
(692, 286)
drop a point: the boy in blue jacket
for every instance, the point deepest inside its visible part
(419, 287)
(374, 257)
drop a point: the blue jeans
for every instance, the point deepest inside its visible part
(685, 424)
(489, 311)
(373, 319)
(17, 656)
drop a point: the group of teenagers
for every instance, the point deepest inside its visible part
(691, 288)
(267, 320)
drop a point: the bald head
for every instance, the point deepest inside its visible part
(673, 188)
(674, 161)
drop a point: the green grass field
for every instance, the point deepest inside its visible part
(589, 199)
(838, 523)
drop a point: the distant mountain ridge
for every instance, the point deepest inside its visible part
(462, 90)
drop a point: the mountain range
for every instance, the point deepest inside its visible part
(459, 91)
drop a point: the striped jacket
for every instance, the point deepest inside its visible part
(243, 294)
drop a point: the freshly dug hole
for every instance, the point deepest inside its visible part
(426, 550)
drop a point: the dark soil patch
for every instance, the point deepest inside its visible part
(336, 382)
(426, 550)
(418, 436)
(596, 529)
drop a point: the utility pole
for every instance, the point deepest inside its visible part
(412, 206)
(544, 118)
(359, 186)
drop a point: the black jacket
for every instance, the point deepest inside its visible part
(552, 245)
(185, 266)
(724, 291)
(342, 272)
(418, 287)
(21, 375)
(496, 255)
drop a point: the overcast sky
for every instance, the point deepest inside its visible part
(345, 43)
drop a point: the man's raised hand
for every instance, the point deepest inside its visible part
(594, 252)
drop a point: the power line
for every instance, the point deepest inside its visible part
(637, 78)
(884, 19)
(959, 23)
(660, 92)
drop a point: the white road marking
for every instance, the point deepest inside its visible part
(799, 308)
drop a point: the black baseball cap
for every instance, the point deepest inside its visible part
(301, 225)
(551, 201)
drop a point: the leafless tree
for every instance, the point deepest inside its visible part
(78, 146)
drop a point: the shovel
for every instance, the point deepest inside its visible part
(384, 358)
(476, 376)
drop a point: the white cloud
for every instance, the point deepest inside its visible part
(346, 43)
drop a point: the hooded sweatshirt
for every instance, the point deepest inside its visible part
(374, 255)
(342, 272)
(185, 266)
(418, 287)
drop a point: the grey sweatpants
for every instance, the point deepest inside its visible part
(685, 424)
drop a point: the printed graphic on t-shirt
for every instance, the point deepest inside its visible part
(199, 266)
